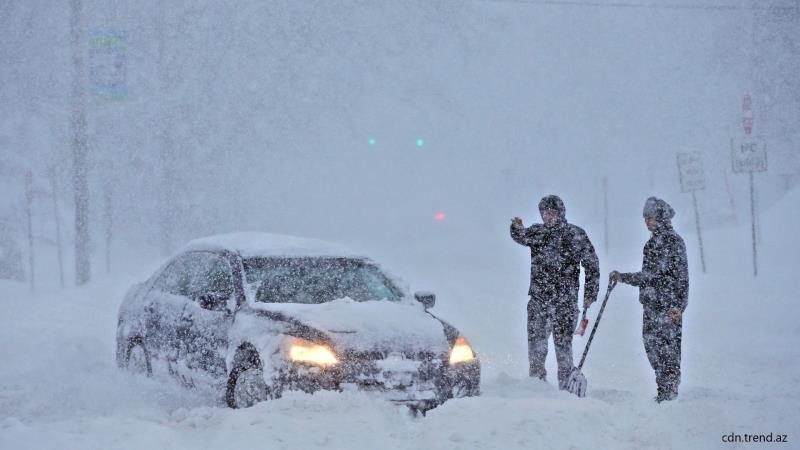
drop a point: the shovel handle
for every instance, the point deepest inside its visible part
(611, 284)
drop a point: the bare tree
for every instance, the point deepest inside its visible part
(57, 221)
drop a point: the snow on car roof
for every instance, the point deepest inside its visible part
(254, 244)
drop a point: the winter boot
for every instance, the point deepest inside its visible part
(540, 374)
(665, 395)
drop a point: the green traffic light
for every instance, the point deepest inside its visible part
(420, 142)
(372, 141)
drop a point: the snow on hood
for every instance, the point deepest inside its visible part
(370, 325)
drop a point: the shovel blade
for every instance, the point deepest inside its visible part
(576, 383)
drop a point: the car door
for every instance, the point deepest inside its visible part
(164, 305)
(206, 320)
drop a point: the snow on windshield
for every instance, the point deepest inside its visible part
(315, 280)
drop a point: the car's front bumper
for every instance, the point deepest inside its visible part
(423, 383)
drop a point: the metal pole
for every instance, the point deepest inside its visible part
(757, 207)
(605, 211)
(753, 222)
(167, 204)
(58, 226)
(79, 148)
(28, 213)
(730, 196)
(699, 234)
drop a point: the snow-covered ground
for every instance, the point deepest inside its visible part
(60, 388)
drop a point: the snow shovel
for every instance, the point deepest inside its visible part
(576, 382)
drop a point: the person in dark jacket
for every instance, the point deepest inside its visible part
(664, 293)
(558, 249)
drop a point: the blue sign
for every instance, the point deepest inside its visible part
(108, 64)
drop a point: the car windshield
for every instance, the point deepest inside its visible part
(316, 280)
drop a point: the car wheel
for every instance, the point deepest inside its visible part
(137, 359)
(246, 385)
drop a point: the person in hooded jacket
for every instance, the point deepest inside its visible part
(558, 250)
(663, 286)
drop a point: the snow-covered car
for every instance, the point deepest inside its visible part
(251, 315)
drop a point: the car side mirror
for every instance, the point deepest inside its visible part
(213, 301)
(428, 299)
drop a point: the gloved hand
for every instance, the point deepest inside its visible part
(675, 314)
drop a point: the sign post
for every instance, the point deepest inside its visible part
(749, 155)
(690, 169)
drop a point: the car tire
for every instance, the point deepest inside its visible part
(137, 358)
(246, 385)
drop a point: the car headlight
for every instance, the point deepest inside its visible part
(303, 351)
(461, 351)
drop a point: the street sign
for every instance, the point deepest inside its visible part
(690, 169)
(108, 64)
(748, 119)
(749, 154)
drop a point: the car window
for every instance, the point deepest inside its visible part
(201, 276)
(211, 280)
(375, 282)
(175, 279)
(316, 280)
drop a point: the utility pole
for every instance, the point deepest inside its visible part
(79, 147)
(166, 207)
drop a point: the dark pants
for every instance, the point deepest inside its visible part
(662, 342)
(560, 315)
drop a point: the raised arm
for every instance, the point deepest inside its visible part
(520, 234)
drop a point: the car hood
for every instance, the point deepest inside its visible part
(368, 326)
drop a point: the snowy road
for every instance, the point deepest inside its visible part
(60, 388)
